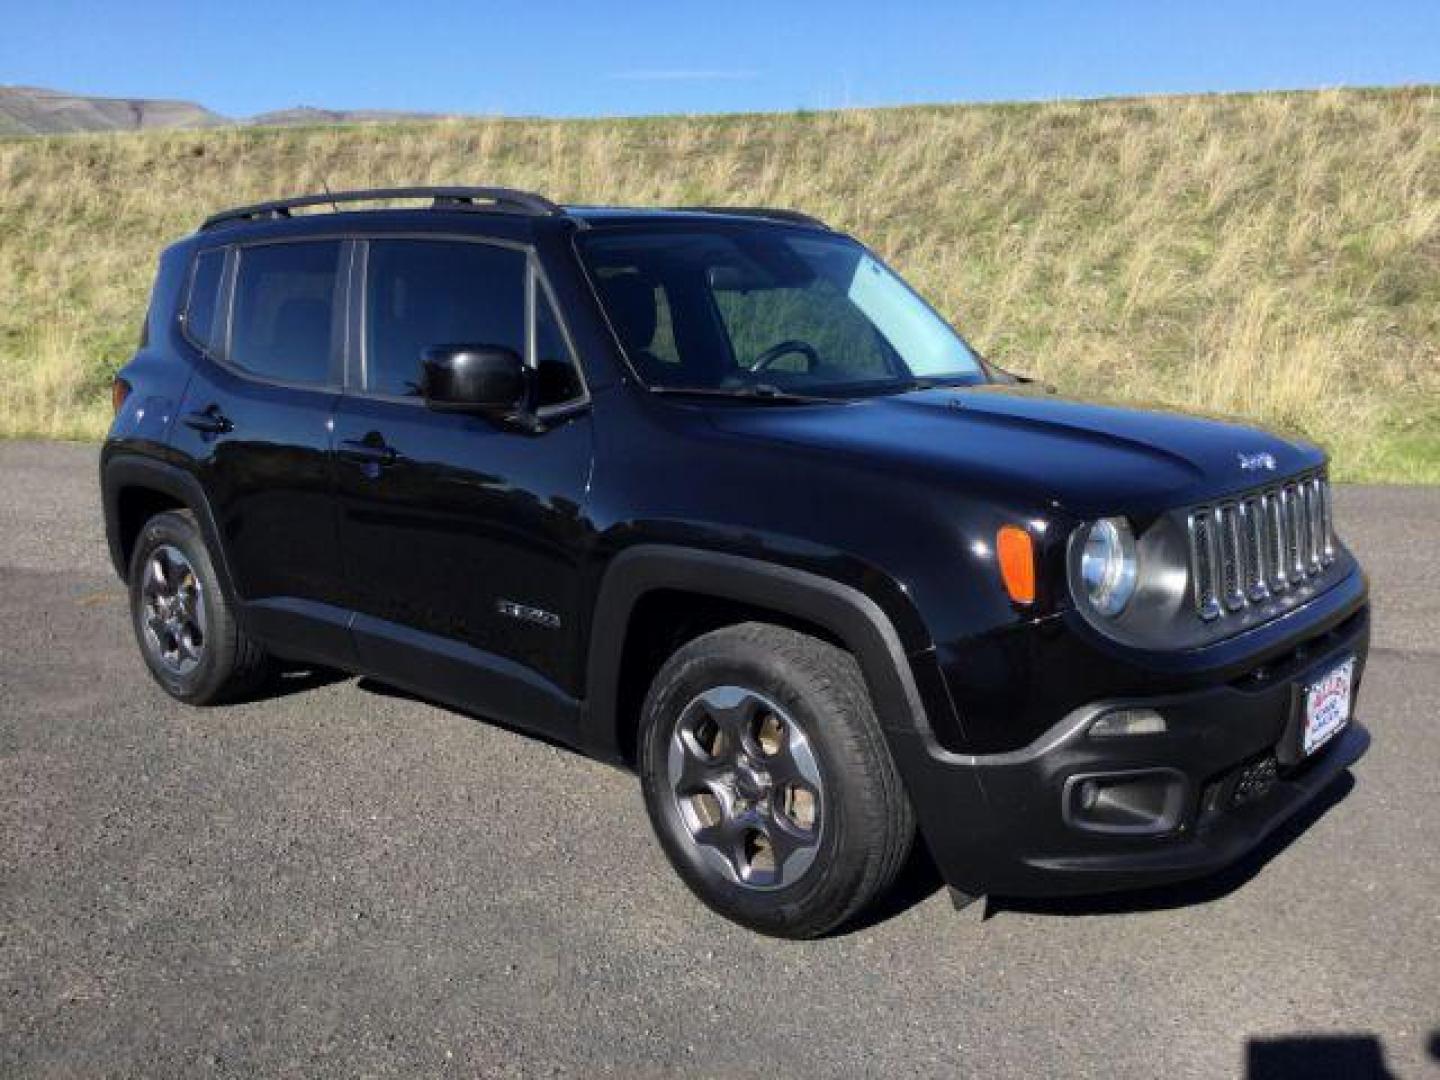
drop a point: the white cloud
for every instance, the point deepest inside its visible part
(684, 75)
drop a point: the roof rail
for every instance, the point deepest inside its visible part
(445, 198)
(773, 212)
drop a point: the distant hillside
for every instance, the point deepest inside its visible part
(306, 114)
(1269, 256)
(28, 110)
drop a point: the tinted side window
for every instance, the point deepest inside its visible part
(556, 375)
(425, 292)
(203, 298)
(284, 312)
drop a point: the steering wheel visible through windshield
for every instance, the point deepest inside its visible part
(742, 306)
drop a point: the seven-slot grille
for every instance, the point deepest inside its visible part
(1261, 544)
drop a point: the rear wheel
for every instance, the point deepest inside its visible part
(769, 783)
(184, 626)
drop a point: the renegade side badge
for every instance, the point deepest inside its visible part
(525, 613)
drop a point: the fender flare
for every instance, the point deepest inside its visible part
(853, 617)
(950, 804)
(124, 471)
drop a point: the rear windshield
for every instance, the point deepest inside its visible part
(801, 311)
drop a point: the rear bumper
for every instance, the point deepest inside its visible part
(1223, 775)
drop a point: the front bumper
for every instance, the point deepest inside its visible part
(1227, 765)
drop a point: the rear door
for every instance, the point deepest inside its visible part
(461, 539)
(256, 419)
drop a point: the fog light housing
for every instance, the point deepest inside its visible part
(1118, 723)
(1139, 802)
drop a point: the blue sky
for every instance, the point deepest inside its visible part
(536, 58)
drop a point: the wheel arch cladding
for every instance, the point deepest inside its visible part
(752, 590)
(665, 620)
(135, 489)
(135, 504)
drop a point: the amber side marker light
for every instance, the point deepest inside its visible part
(1016, 551)
(119, 391)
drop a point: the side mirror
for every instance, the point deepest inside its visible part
(490, 380)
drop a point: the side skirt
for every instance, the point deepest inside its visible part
(430, 666)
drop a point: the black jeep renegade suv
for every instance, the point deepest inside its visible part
(713, 494)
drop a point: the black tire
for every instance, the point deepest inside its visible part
(228, 666)
(863, 819)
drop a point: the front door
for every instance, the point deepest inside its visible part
(461, 540)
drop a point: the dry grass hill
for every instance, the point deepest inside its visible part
(1270, 256)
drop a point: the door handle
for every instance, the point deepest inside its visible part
(368, 453)
(209, 422)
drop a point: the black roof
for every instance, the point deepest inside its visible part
(502, 201)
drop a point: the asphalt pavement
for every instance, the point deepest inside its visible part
(341, 880)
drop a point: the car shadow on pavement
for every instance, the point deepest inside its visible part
(1313, 1057)
(297, 679)
(1187, 893)
(917, 882)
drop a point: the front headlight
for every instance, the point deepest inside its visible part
(1108, 566)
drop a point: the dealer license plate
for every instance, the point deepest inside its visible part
(1327, 707)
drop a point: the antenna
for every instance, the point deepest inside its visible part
(333, 203)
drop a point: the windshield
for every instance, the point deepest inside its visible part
(771, 307)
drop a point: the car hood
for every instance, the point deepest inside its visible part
(1090, 458)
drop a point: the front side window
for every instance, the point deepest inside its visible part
(203, 299)
(808, 313)
(421, 293)
(285, 314)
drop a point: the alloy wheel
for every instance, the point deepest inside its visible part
(747, 786)
(172, 610)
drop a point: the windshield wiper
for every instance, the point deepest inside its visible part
(933, 382)
(751, 392)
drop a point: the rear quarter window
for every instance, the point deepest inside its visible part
(285, 313)
(202, 299)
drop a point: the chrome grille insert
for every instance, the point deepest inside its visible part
(1315, 517)
(1293, 533)
(1327, 519)
(1264, 543)
(1202, 564)
(1227, 521)
(1275, 542)
(1252, 526)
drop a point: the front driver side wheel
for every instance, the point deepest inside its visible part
(769, 783)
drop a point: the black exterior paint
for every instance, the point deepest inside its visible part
(382, 537)
(468, 514)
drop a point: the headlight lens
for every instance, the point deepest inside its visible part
(1108, 567)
